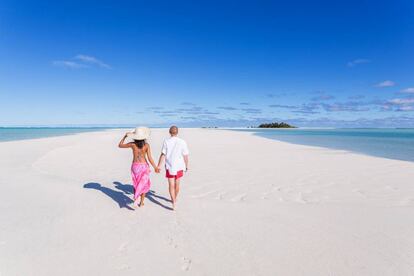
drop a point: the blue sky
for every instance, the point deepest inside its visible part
(205, 63)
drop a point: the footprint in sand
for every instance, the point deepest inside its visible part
(388, 187)
(171, 242)
(406, 202)
(123, 267)
(359, 192)
(276, 189)
(301, 199)
(220, 196)
(205, 194)
(265, 196)
(186, 263)
(239, 198)
(122, 247)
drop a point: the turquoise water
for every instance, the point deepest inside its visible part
(22, 133)
(388, 143)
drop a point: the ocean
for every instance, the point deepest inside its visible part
(387, 143)
(23, 133)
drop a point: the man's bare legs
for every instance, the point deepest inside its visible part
(174, 189)
(177, 188)
(171, 184)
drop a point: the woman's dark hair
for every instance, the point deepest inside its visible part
(139, 143)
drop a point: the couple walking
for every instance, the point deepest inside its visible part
(174, 153)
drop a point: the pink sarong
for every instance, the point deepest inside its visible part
(140, 178)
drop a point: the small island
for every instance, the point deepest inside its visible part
(276, 125)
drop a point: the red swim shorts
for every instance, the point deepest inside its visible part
(177, 176)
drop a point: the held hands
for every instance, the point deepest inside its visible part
(157, 169)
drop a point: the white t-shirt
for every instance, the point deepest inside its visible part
(174, 149)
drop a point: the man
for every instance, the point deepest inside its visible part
(175, 153)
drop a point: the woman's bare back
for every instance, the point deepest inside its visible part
(140, 154)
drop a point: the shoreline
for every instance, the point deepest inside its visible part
(359, 141)
(255, 131)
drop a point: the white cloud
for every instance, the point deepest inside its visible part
(386, 83)
(408, 90)
(357, 61)
(406, 108)
(68, 64)
(92, 60)
(401, 101)
(399, 104)
(81, 61)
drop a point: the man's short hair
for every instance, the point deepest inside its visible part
(173, 130)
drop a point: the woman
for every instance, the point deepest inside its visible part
(140, 169)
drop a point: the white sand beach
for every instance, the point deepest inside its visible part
(248, 206)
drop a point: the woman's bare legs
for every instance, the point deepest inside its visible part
(141, 203)
(142, 200)
(135, 205)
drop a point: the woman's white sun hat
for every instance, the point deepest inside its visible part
(140, 133)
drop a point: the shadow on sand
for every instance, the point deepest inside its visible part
(123, 194)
